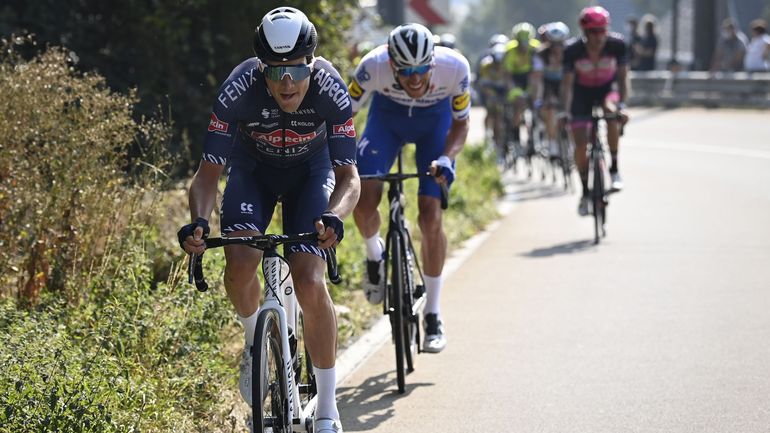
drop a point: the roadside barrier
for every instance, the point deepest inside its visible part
(737, 89)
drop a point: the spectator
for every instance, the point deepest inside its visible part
(633, 40)
(648, 45)
(758, 51)
(731, 48)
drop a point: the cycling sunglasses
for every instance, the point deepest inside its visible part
(597, 31)
(295, 72)
(408, 72)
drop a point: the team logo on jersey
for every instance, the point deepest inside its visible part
(338, 93)
(362, 75)
(288, 137)
(355, 90)
(460, 103)
(218, 126)
(346, 129)
(265, 113)
(464, 84)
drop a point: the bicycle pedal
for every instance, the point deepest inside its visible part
(419, 291)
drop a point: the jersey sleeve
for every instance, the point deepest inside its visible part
(568, 60)
(620, 51)
(334, 101)
(223, 121)
(461, 96)
(363, 83)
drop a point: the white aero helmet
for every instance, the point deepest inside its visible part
(557, 32)
(410, 45)
(285, 33)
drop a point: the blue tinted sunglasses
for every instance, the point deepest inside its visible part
(295, 72)
(408, 72)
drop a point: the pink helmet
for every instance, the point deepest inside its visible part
(594, 17)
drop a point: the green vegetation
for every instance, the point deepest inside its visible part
(100, 333)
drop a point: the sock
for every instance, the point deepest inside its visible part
(373, 248)
(249, 326)
(433, 293)
(614, 164)
(326, 383)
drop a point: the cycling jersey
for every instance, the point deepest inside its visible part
(450, 79)
(604, 71)
(246, 115)
(517, 63)
(273, 155)
(552, 72)
(395, 118)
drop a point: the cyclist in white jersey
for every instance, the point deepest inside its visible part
(418, 95)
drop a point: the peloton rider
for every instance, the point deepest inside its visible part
(594, 66)
(419, 95)
(283, 125)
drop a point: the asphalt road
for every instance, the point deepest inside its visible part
(664, 327)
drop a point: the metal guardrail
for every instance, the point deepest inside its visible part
(737, 89)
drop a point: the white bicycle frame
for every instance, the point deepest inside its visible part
(284, 302)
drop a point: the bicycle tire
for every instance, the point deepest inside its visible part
(566, 160)
(597, 195)
(270, 390)
(411, 320)
(397, 305)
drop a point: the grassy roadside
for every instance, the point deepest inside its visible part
(100, 333)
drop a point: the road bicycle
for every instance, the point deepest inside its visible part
(598, 174)
(284, 389)
(404, 297)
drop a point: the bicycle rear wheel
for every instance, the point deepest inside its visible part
(566, 159)
(411, 317)
(270, 392)
(397, 307)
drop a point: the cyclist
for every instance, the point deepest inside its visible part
(551, 53)
(494, 40)
(282, 124)
(594, 66)
(492, 81)
(418, 94)
(526, 70)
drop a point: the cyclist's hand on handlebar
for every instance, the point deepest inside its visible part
(443, 170)
(191, 236)
(330, 229)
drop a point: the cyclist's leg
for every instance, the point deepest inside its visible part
(613, 128)
(300, 208)
(582, 102)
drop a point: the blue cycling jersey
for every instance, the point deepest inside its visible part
(247, 116)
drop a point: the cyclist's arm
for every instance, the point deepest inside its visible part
(203, 190)
(623, 83)
(347, 188)
(536, 77)
(455, 139)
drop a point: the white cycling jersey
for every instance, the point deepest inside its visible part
(449, 81)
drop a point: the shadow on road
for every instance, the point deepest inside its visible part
(365, 407)
(526, 191)
(568, 248)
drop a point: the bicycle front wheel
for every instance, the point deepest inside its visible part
(597, 197)
(397, 289)
(270, 393)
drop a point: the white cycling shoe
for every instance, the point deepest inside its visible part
(617, 181)
(327, 425)
(435, 337)
(244, 382)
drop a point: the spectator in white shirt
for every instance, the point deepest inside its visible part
(758, 51)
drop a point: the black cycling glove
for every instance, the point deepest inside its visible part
(189, 229)
(330, 219)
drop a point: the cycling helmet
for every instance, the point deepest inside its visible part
(285, 33)
(523, 32)
(497, 53)
(594, 17)
(447, 40)
(557, 32)
(410, 45)
(498, 39)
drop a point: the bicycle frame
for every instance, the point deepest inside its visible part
(598, 174)
(279, 299)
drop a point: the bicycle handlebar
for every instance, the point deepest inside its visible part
(260, 242)
(397, 177)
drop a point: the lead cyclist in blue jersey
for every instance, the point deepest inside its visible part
(282, 125)
(419, 95)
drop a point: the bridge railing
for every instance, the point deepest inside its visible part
(737, 89)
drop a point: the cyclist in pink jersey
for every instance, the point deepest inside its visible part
(595, 73)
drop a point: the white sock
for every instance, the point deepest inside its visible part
(433, 293)
(373, 248)
(326, 384)
(249, 326)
